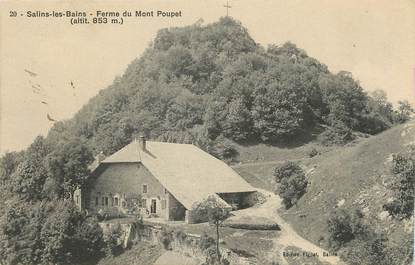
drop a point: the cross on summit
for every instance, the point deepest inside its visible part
(227, 8)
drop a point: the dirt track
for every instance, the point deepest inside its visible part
(288, 237)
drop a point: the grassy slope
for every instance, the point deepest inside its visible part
(357, 174)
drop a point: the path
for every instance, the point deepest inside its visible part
(288, 237)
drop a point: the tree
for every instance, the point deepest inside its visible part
(68, 237)
(48, 232)
(278, 111)
(29, 179)
(215, 211)
(290, 182)
(344, 98)
(404, 112)
(186, 111)
(68, 166)
(379, 114)
(8, 165)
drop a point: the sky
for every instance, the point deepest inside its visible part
(68, 64)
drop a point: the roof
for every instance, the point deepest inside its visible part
(187, 172)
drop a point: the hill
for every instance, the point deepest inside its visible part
(210, 85)
(354, 177)
(202, 84)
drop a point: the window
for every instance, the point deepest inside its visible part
(106, 201)
(77, 199)
(102, 201)
(144, 203)
(163, 204)
(165, 191)
(144, 188)
(116, 201)
(96, 201)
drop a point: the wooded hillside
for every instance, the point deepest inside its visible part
(196, 83)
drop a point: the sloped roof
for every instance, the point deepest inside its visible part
(186, 171)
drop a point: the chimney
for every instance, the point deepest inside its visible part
(142, 142)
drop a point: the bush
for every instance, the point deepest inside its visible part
(112, 240)
(403, 185)
(166, 237)
(370, 251)
(313, 152)
(206, 242)
(339, 134)
(180, 236)
(212, 258)
(344, 227)
(291, 183)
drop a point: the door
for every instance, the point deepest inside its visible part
(153, 208)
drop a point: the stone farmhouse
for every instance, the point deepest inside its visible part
(161, 180)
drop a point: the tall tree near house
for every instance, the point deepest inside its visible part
(216, 213)
(216, 217)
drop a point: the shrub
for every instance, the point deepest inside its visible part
(180, 235)
(344, 227)
(339, 134)
(291, 183)
(369, 251)
(112, 240)
(313, 152)
(403, 184)
(206, 242)
(166, 237)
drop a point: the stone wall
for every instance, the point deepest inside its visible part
(188, 246)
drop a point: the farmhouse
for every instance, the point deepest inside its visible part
(161, 180)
